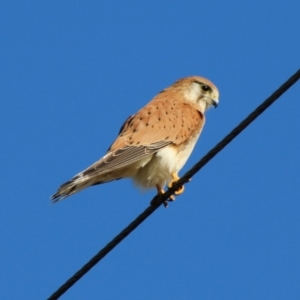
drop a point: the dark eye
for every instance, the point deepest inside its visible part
(205, 88)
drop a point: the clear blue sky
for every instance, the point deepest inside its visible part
(71, 73)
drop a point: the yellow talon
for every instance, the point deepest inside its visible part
(160, 191)
(175, 178)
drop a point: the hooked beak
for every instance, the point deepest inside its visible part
(214, 99)
(215, 102)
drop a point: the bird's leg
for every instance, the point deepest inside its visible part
(174, 180)
(160, 191)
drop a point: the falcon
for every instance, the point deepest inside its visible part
(155, 143)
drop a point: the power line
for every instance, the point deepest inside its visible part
(185, 179)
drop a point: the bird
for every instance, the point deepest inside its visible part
(155, 143)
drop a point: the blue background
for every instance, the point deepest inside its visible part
(71, 73)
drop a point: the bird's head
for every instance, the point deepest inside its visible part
(198, 90)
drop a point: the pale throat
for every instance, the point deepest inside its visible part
(203, 105)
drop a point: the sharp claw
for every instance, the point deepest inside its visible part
(180, 190)
(171, 183)
(160, 191)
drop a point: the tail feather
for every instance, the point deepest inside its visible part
(78, 183)
(71, 187)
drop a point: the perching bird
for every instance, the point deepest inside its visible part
(155, 143)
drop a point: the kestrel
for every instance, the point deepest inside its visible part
(155, 143)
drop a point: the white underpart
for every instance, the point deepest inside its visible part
(159, 169)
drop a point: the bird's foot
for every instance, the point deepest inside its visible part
(160, 191)
(174, 180)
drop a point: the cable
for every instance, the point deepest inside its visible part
(159, 200)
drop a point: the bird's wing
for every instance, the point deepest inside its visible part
(160, 123)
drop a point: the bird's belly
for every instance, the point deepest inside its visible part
(185, 151)
(166, 161)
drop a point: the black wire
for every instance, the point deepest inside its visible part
(185, 179)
